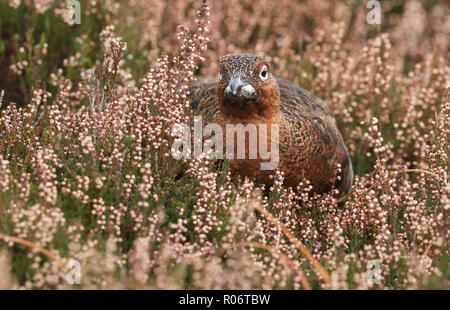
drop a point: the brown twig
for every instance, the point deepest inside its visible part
(30, 244)
(428, 249)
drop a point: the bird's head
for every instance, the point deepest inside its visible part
(246, 84)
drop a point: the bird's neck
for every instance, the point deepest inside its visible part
(265, 111)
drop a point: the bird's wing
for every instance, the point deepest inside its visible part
(313, 130)
(308, 117)
(203, 99)
(294, 97)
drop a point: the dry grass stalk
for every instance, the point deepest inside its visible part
(283, 256)
(297, 243)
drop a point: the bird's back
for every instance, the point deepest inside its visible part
(293, 99)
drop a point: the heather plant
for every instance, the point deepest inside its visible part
(86, 171)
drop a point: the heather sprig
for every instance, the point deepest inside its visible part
(86, 171)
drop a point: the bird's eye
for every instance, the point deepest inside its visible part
(264, 74)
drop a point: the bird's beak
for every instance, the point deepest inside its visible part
(240, 91)
(236, 85)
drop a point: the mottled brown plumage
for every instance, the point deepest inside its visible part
(310, 144)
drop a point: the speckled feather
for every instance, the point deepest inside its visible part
(310, 143)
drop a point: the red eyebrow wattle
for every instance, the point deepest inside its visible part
(262, 66)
